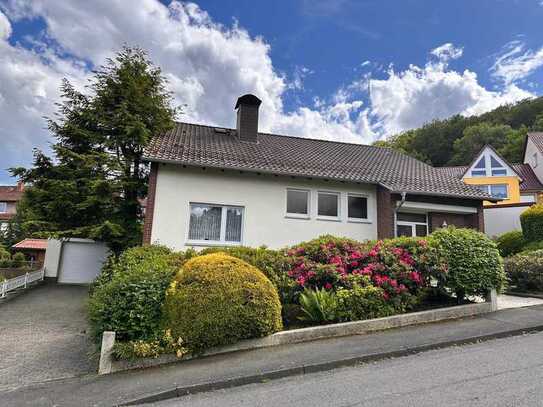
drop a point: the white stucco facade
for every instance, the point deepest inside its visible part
(501, 220)
(534, 158)
(263, 199)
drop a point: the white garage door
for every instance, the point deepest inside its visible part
(81, 262)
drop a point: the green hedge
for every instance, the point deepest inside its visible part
(511, 243)
(217, 300)
(474, 263)
(532, 223)
(525, 271)
(128, 296)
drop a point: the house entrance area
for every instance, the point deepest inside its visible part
(411, 224)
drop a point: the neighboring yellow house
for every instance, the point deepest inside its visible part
(515, 185)
(511, 183)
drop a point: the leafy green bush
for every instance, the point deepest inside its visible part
(318, 306)
(510, 243)
(474, 263)
(218, 299)
(18, 260)
(532, 247)
(4, 254)
(273, 263)
(532, 223)
(525, 271)
(129, 297)
(360, 303)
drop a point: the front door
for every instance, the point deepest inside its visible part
(411, 224)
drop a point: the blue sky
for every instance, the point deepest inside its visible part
(347, 70)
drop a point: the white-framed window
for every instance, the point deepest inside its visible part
(535, 160)
(411, 224)
(499, 191)
(328, 205)
(357, 207)
(3, 207)
(298, 203)
(497, 169)
(215, 224)
(479, 170)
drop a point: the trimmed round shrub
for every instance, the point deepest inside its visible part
(18, 260)
(510, 243)
(273, 263)
(525, 271)
(217, 300)
(532, 223)
(474, 263)
(128, 297)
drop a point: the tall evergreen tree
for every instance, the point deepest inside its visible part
(93, 185)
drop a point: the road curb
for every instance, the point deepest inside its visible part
(318, 367)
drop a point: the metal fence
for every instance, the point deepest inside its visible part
(20, 282)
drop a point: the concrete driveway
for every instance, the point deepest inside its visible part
(43, 336)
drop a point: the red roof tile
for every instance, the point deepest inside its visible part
(10, 193)
(34, 244)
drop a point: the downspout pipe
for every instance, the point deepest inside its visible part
(404, 195)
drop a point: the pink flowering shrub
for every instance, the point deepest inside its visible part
(399, 267)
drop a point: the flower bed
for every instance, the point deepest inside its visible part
(322, 281)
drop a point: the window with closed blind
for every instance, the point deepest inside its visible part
(215, 224)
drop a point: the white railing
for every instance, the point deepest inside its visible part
(22, 281)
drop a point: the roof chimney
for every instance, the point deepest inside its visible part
(247, 123)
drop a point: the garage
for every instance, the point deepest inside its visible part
(75, 261)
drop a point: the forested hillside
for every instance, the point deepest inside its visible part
(456, 140)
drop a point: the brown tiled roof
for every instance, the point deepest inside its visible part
(529, 179)
(198, 145)
(537, 139)
(10, 193)
(34, 244)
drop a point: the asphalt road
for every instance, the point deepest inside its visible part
(503, 372)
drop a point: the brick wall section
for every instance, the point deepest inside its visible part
(385, 213)
(480, 218)
(436, 220)
(247, 123)
(150, 209)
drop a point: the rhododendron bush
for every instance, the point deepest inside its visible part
(400, 267)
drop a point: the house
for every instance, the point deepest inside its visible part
(215, 186)
(33, 249)
(517, 186)
(9, 196)
(533, 153)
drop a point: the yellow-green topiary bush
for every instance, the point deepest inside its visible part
(217, 300)
(532, 223)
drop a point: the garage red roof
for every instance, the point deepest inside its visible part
(34, 244)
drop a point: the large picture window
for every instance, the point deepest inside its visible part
(411, 224)
(215, 224)
(497, 191)
(3, 207)
(298, 203)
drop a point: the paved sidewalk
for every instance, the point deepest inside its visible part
(264, 364)
(513, 301)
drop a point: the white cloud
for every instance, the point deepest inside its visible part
(417, 95)
(447, 52)
(5, 27)
(515, 63)
(208, 66)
